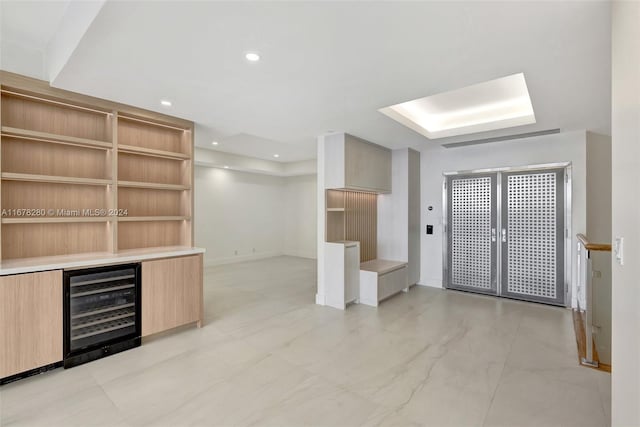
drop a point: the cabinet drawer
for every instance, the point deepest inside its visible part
(392, 282)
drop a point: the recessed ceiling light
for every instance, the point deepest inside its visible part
(165, 103)
(496, 104)
(276, 155)
(214, 143)
(226, 167)
(252, 56)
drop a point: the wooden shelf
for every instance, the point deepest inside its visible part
(141, 151)
(54, 179)
(152, 185)
(152, 123)
(335, 209)
(54, 138)
(53, 102)
(54, 220)
(153, 218)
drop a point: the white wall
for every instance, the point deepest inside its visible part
(300, 216)
(241, 216)
(238, 211)
(599, 231)
(625, 131)
(399, 213)
(435, 160)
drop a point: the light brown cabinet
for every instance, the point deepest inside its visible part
(171, 293)
(352, 163)
(30, 321)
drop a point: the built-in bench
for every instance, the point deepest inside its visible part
(380, 279)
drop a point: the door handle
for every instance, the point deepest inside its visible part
(504, 235)
(493, 234)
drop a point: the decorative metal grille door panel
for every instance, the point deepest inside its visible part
(506, 234)
(472, 218)
(532, 235)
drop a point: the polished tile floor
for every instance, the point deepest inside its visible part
(268, 356)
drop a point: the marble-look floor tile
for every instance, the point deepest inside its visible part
(268, 355)
(240, 398)
(164, 387)
(89, 407)
(526, 398)
(50, 391)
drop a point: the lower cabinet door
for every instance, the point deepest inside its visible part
(30, 321)
(352, 273)
(171, 293)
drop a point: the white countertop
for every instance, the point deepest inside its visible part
(31, 265)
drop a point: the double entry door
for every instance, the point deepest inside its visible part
(506, 234)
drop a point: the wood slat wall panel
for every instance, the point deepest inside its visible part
(361, 222)
(45, 117)
(45, 158)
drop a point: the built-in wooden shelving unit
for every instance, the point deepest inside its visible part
(352, 216)
(81, 174)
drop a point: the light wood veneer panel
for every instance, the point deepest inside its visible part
(36, 240)
(335, 199)
(367, 165)
(171, 293)
(45, 117)
(150, 136)
(335, 219)
(45, 158)
(30, 321)
(137, 168)
(42, 195)
(145, 202)
(150, 234)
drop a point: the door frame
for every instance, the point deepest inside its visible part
(568, 254)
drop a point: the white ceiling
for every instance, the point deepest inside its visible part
(31, 23)
(331, 65)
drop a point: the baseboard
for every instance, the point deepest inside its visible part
(300, 255)
(320, 299)
(240, 258)
(432, 283)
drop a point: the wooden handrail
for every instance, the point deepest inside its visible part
(606, 247)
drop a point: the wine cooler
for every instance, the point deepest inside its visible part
(101, 312)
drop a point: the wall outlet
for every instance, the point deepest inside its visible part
(254, 250)
(236, 252)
